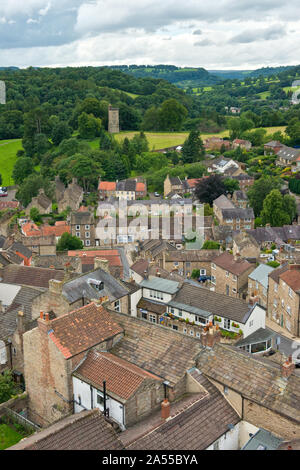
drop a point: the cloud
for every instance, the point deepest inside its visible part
(73, 32)
(204, 42)
(253, 35)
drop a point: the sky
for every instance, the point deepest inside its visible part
(214, 34)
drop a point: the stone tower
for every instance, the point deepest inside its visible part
(2, 92)
(113, 120)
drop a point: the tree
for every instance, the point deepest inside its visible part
(209, 189)
(60, 131)
(275, 211)
(210, 245)
(23, 168)
(193, 148)
(35, 215)
(88, 126)
(8, 388)
(171, 115)
(69, 242)
(260, 189)
(30, 188)
(231, 185)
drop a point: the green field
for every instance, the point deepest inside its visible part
(8, 151)
(8, 436)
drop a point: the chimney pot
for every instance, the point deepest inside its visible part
(47, 316)
(41, 314)
(165, 409)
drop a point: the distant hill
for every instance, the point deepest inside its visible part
(182, 77)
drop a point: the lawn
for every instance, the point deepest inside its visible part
(158, 140)
(8, 156)
(8, 436)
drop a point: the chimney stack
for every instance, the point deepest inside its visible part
(44, 323)
(287, 367)
(101, 263)
(165, 409)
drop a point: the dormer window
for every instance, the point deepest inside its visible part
(99, 285)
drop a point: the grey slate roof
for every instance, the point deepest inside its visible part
(258, 336)
(238, 212)
(80, 287)
(223, 202)
(198, 297)
(16, 246)
(263, 440)
(261, 273)
(162, 285)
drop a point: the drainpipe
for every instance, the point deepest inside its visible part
(104, 397)
(92, 401)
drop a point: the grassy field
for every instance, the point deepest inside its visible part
(8, 151)
(8, 436)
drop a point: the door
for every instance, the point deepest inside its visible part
(227, 289)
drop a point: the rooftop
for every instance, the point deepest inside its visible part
(122, 378)
(162, 285)
(263, 440)
(30, 276)
(82, 329)
(227, 261)
(261, 273)
(87, 430)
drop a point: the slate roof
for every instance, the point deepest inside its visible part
(262, 440)
(223, 202)
(17, 246)
(258, 336)
(156, 349)
(276, 234)
(87, 430)
(226, 261)
(82, 217)
(261, 273)
(240, 195)
(126, 185)
(238, 212)
(218, 304)
(82, 329)
(123, 379)
(30, 276)
(277, 272)
(21, 302)
(288, 153)
(81, 287)
(162, 285)
(195, 422)
(255, 379)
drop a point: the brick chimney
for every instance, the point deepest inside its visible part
(101, 263)
(211, 337)
(165, 409)
(287, 368)
(20, 322)
(44, 323)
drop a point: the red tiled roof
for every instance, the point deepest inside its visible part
(31, 230)
(82, 329)
(82, 209)
(292, 278)
(8, 205)
(107, 186)
(112, 256)
(122, 378)
(140, 187)
(56, 230)
(227, 261)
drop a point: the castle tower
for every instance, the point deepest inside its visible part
(2, 92)
(113, 120)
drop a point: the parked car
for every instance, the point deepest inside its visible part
(156, 194)
(297, 361)
(3, 193)
(204, 278)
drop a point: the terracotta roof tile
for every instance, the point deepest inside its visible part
(226, 261)
(292, 278)
(122, 378)
(82, 329)
(107, 186)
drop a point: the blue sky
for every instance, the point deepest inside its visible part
(219, 34)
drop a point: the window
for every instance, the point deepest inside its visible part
(87, 234)
(213, 279)
(175, 327)
(202, 272)
(198, 334)
(100, 399)
(225, 390)
(288, 309)
(200, 320)
(234, 290)
(226, 324)
(192, 332)
(87, 242)
(227, 274)
(184, 330)
(180, 313)
(77, 227)
(282, 303)
(213, 266)
(275, 287)
(87, 227)
(79, 400)
(152, 318)
(235, 278)
(117, 306)
(250, 323)
(144, 315)
(78, 234)
(290, 292)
